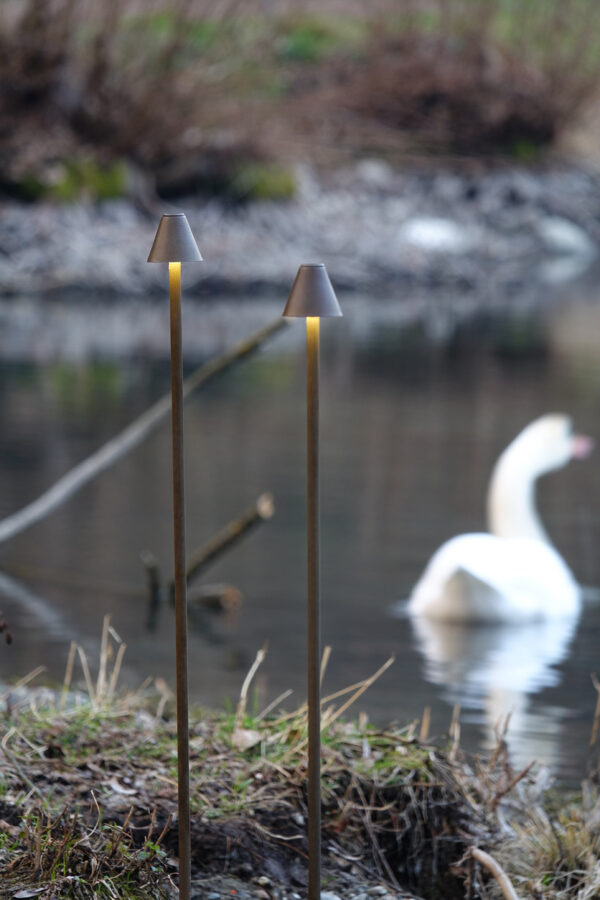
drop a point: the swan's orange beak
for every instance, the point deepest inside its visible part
(581, 446)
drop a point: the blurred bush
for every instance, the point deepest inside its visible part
(87, 85)
(224, 95)
(263, 181)
(75, 179)
(479, 76)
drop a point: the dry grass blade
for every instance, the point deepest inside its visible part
(68, 674)
(298, 721)
(364, 687)
(324, 663)
(243, 701)
(101, 680)
(114, 676)
(274, 704)
(20, 771)
(596, 721)
(287, 717)
(86, 674)
(23, 682)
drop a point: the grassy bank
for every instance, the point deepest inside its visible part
(226, 96)
(88, 801)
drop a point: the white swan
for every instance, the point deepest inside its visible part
(513, 574)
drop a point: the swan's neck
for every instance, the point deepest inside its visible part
(511, 501)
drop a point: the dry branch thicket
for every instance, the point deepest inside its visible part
(188, 90)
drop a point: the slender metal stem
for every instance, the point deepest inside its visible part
(183, 747)
(314, 614)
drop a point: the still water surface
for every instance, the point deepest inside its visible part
(411, 425)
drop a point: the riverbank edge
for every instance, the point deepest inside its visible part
(478, 232)
(89, 790)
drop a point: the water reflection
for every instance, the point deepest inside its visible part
(495, 669)
(35, 607)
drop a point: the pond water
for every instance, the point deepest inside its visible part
(412, 421)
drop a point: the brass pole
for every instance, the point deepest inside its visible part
(183, 746)
(314, 615)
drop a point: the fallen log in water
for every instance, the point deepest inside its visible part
(215, 599)
(133, 435)
(261, 511)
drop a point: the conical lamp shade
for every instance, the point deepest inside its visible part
(312, 294)
(174, 241)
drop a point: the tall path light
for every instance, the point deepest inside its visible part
(312, 297)
(174, 243)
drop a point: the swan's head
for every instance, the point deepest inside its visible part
(546, 444)
(549, 443)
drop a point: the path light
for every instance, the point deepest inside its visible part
(311, 297)
(174, 243)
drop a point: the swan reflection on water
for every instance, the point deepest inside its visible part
(491, 671)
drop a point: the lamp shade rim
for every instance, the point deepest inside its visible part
(315, 314)
(174, 241)
(312, 294)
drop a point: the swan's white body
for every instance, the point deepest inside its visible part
(513, 574)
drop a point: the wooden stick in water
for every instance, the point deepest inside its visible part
(262, 510)
(129, 438)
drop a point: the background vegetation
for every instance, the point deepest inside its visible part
(224, 94)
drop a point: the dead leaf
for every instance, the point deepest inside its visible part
(120, 788)
(244, 738)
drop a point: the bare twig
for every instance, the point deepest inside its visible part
(512, 783)
(494, 868)
(121, 833)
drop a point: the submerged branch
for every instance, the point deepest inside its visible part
(231, 534)
(133, 435)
